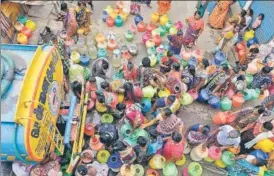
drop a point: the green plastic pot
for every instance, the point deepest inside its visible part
(139, 170)
(186, 99)
(162, 30)
(126, 130)
(249, 79)
(170, 169)
(107, 118)
(226, 104)
(168, 25)
(228, 158)
(195, 169)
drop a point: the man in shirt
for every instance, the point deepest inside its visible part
(227, 136)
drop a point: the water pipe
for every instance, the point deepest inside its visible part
(68, 120)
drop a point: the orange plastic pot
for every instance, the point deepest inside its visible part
(152, 172)
(112, 44)
(220, 118)
(110, 22)
(22, 38)
(157, 40)
(26, 31)
(237, 100)
(211, 69)
(242, 55)
(239, 47)
(150, 28)
(89, 129)
(141, 27)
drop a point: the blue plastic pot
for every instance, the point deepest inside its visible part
(251, 42)
(84, 59)
(203, 95)
(102, 52)
(193, 61)
(219, 57)
(105, 15)
(214, 102)
(138, 18)
(146, 105)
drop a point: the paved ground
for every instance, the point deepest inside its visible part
(195, 113)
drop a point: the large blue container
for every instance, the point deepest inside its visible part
(138, 18)
(219, 57)
(214, 102)
(203, 95)
(146, 105)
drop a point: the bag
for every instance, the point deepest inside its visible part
(135, 8)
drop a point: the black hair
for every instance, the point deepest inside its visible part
(255, 50)
(142, 141)
(268, 126)
(205, 62)
(169, 53)
(225, 67)
(251, 12)
(197, 13)
(119, 146)
(146, 62)
(191, 70)
(92, 79)
(128, 86)
(176, 137)
(244, 67)
(176, 66)
(76, 87)
(105, 138)
(101, 98)
(120, 106)
(130, 65)
(168, 112)
(82, 169)
(171, 98)
(243, 13)
(104, 85)
(267, 69)
(153, 132)
(105, 65)
(262, 15)
(260, 162)
(64, 6)
(241, 77)
(261, 110)
(206, 129)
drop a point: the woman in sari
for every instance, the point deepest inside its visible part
(198, 134)
(218, 15)
(83, 18)
(263, 79)
(163, 6)
(175, 42)
(201, 7)
(194, 29)
(70, 24)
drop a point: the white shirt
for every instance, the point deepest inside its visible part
(248, 20)
(223, 137)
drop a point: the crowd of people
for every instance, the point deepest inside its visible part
(159, 116)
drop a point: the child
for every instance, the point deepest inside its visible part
(257, 23)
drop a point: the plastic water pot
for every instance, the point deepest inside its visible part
(195, 169)
(154, 17)
(22, 19)
(150, 27)
(146, 105)
(110, 21)
(228, 158)
(219, 57)
(214, 102)
(170, 169)
(157, 162)
(22, 38)
(203, 95)
(102, 52)
(105, 15)
(219, 118)
(146, 36)
(129, 36)
(163, 19)
(186, 99)
(215, 153)
(30, 25)
(193, 61)
(119, 21)
(249, 79)
(238, 100)
(138, 18)
(141, 27)
(226, 104)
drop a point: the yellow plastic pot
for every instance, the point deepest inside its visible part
(102, 156)
(157, 162)
(220, 164)
(148, 91)
(164, 93)
(163, 19)
(75, 57)
(208, 159)
(120, 98)
(181, 161)
(31, 25)
(154, 17)
(22, 38)
(109, 9)
(113, 14)
(262, 170)
(100, 107)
